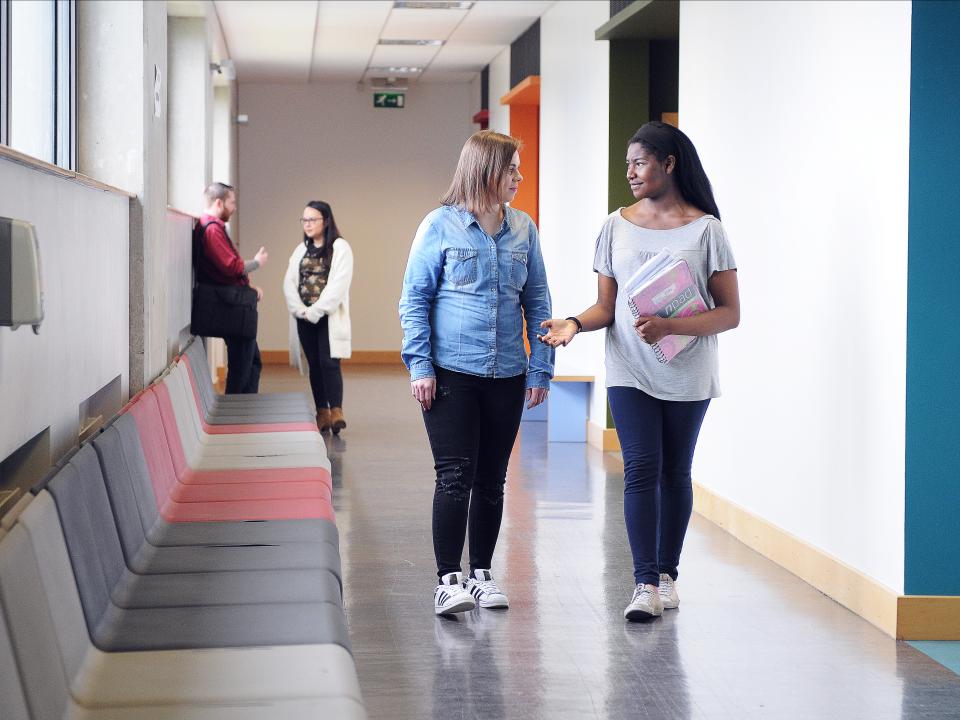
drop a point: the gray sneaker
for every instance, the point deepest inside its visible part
(668, 592)
(645, 604)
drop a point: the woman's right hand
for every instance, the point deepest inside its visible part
(424, 391)
(559, 332)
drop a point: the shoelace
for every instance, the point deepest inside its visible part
(643, 592)
(488, 586)
(666, 585)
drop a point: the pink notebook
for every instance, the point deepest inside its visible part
(669, 291)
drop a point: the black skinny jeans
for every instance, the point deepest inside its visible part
(243, 366)
(326, 381)
(472, 426)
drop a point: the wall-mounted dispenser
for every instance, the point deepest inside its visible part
(21, 291)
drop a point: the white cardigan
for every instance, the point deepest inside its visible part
(334, 301)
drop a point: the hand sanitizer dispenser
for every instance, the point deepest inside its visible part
(21, 293)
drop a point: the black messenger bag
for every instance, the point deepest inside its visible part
(224, 311)
(221, 310)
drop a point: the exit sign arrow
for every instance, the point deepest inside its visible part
(388, 100)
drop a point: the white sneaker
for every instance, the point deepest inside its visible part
(484, 588)
(450, 597)
(668, 592)
(644, 604)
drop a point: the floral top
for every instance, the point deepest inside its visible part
(314, 270)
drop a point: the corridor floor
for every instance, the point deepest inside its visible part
(750, 640)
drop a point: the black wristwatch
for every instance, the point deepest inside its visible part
(577, 323)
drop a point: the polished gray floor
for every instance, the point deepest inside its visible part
(750, 640)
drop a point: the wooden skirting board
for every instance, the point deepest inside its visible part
(904, 617)
(602, 438)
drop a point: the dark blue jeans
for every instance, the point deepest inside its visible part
(657, 438)
(243, 366)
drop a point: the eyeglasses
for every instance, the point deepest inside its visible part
(310, 221)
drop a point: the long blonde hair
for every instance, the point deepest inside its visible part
(484, 160)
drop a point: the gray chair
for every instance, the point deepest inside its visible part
(146, 536)
(88, 527)
(61, 675)
(115, 629)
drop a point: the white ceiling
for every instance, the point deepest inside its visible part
(324, 40)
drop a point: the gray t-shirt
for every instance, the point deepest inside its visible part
(621, 248)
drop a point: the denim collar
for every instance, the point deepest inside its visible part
(467, 218)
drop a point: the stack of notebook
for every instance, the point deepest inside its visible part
(664, 286)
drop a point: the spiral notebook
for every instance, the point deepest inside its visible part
(664, 286)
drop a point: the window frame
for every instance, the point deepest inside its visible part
(4, 71)
(65, 81)
(65, 84)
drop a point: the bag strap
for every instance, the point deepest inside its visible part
(199, 235)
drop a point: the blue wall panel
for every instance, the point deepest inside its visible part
(932, 534)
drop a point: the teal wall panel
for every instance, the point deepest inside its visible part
(932, 513)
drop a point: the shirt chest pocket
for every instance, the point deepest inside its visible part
(518, 270)
(460, 266)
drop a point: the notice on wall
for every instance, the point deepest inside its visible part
(157, 95)
(388, 100)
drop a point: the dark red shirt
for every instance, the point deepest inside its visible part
(220, 263)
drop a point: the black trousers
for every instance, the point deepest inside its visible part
(243, 366)
(472, 427)
(326, 380)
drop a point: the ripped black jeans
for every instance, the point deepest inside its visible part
(472, 427)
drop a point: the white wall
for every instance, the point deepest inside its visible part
(499, 85)
(574, 71)
(381, 170)
(83, 343)
(800, 114)
(190, 108)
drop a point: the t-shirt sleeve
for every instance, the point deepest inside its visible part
(603, 255)
(719, 255)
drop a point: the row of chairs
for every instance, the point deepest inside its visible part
(182, 564)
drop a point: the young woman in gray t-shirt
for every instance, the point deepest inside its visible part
(658, 407)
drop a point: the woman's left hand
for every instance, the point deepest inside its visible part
(535, 396)
(652, 328)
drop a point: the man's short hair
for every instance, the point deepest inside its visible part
(217, 191)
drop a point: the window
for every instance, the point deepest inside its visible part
(37, 78)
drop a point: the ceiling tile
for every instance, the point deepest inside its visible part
(406, 24)
(269, 41)
(347, 33)
(409, 55)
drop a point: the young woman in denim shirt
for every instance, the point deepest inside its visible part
(658, 408)
(475, 272)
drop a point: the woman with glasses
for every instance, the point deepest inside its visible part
(317, 289)
(475, 270)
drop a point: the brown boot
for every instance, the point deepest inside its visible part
(323, 419)
(337, 423)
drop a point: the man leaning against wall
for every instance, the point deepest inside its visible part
(220, 263)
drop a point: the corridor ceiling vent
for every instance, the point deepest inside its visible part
(428, 5)
(410, 42)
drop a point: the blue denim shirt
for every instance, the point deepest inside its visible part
(462, 297)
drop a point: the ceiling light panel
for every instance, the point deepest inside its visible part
(395, 70)
(346, 34)
(431, 5)
(422, 24)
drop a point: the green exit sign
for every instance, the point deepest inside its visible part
(388, 100)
